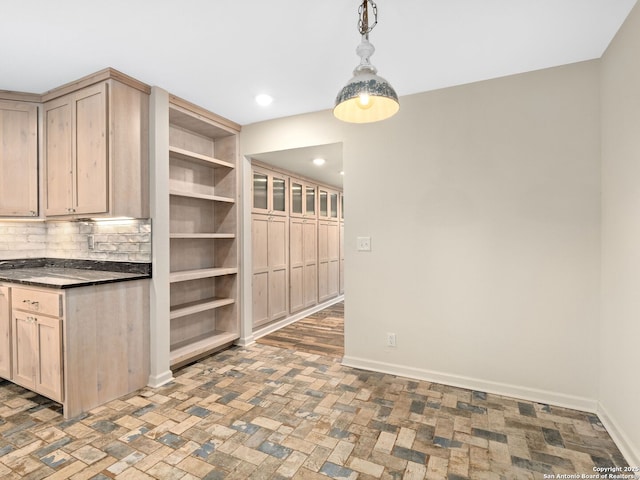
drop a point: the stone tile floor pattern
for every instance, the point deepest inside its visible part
(265, 412)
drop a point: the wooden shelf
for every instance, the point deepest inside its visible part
(194, 348)
(200, 306)
(202, 196)
(188, 119)
(202, 235)
(185, 275)
(198, 158)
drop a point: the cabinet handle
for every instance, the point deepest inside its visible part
(35, 305)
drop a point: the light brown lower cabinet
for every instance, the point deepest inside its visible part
(328, 260)
(5, 333)
(37, 353)
(82, 346)
(303, 264)
(270, 268)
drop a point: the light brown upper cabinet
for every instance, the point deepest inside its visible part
(96, 151)
(302, 199)
(269, 192)
(328, 204)
(18, 159)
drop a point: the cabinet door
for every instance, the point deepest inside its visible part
(296, 198)
(328, 260)
(48, 379)
(24, 349)
(58, 156)
(323, 261)
(310, 263)
(77, 175)
(296, 264)
(270, 258)
(341, 257)
(260, 265)
(334, 260)
(37, 353)
(90, 163)
(5, 333)
(278, 268)
(270, 195)
(18, 160)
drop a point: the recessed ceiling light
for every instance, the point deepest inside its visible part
(264, 100)
(341, 172)
(318, 161)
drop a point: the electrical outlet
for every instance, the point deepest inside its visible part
(391, 340)
(363, 244)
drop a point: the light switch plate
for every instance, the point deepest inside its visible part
(364, 244)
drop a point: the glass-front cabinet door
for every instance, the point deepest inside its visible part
(269, 192)
(328, 200)
(302, 198)
(333, 202)
(260, 191)
(310, 201)
(297, 198)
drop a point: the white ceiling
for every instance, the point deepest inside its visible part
(220, 53)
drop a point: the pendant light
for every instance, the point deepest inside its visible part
(367, 97)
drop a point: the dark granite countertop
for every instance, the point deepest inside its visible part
(64, 273)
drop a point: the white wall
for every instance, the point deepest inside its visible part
(483, 206)
(620, 324)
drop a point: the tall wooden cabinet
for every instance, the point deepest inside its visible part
(18, 159)
(328, 244)
(96, 149)
(269, 233)
(303, 245)
(203, 223)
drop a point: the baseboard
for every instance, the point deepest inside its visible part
(272, 327)
(245, 341)
(507, 390)
(631, 454)
(156, 381)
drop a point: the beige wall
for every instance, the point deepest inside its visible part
(482, 202)
(620, 324)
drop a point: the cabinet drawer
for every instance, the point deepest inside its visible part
(47, 303)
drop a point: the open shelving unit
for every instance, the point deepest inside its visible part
(203, 232)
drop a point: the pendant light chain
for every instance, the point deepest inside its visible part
(363, 22)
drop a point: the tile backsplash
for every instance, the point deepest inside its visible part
(112, 240)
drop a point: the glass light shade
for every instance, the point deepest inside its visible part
(367, 97)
